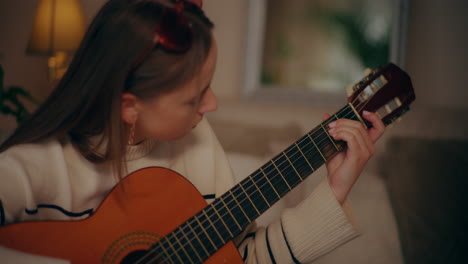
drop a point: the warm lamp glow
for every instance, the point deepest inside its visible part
(59, 26)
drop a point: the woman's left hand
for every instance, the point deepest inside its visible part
(345, 168)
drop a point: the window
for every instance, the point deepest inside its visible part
(310, 50)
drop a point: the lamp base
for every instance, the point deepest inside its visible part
(58, 65)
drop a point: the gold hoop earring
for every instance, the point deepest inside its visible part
(131, 134)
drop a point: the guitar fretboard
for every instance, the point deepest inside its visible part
(226, 217)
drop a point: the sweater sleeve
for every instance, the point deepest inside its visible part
(10, 256)
(314, 227)
(13, 190)
(15, 194)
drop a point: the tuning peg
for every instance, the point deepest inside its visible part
(367, 71)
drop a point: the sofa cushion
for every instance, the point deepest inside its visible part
(427, 181)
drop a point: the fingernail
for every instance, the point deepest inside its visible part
(366, 112)
(332, 124)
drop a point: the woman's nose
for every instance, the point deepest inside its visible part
(209, 102)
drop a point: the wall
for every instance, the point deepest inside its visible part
(15, 25)
(437, 57)
(20, 69)
(437, 52)
(437, 60)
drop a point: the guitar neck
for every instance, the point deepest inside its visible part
(230, 214)
(387, 91)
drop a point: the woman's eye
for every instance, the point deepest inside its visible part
(193, 101)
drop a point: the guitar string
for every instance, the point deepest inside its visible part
(255, 190)
(190, 240)
(214, 226)
(326, 122)
(177, 231)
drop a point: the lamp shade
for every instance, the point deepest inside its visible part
(59, 25)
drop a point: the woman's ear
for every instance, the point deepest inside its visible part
(129, 108)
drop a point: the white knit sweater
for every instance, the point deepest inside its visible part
(55, 174)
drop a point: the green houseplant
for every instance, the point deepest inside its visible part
(12, 99)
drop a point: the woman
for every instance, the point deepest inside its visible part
(135, 96)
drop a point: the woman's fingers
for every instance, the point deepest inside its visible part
(355, 135)
(359, 140)
(378, 126)
(345, 168)
(374, 133)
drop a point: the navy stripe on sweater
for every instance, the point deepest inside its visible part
(209, 196)
(289, 247)
(55, 207)
(2, 214)
(269, 248)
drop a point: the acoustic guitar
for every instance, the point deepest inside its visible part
(137, 223)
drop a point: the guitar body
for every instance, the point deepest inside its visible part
(145, 206)
(151, 203)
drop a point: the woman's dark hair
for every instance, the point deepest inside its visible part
(87, 101)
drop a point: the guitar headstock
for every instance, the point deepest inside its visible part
(387, 91)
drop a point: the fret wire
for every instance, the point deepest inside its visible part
(236, 209)
(225, 217)
(214, 227)
(302, 153)
(244, 200)
(273, 187)
(316, 147)
(344, 115)
(261, 193)
(189, 241)
(331, 139)
(161, 246)
(299, 162)
(227, 228)
(153, 255)
(306, 161)
(204, 231)
(229, 211)
(183, 249)
(282, 176)
(358, 116)
(304, 156)
(292, 165)
(248, 188)
(196, 236)
(173, 249)
(351, 113)
(237, 200)
(270, 181)
(177, 251)
(248, 197)
(265, 189)
(240, 207)
(288, 169)
(276, 179)
(325, 148)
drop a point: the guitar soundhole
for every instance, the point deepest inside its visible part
(133, 248)
(142, 256)
(134, 257)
